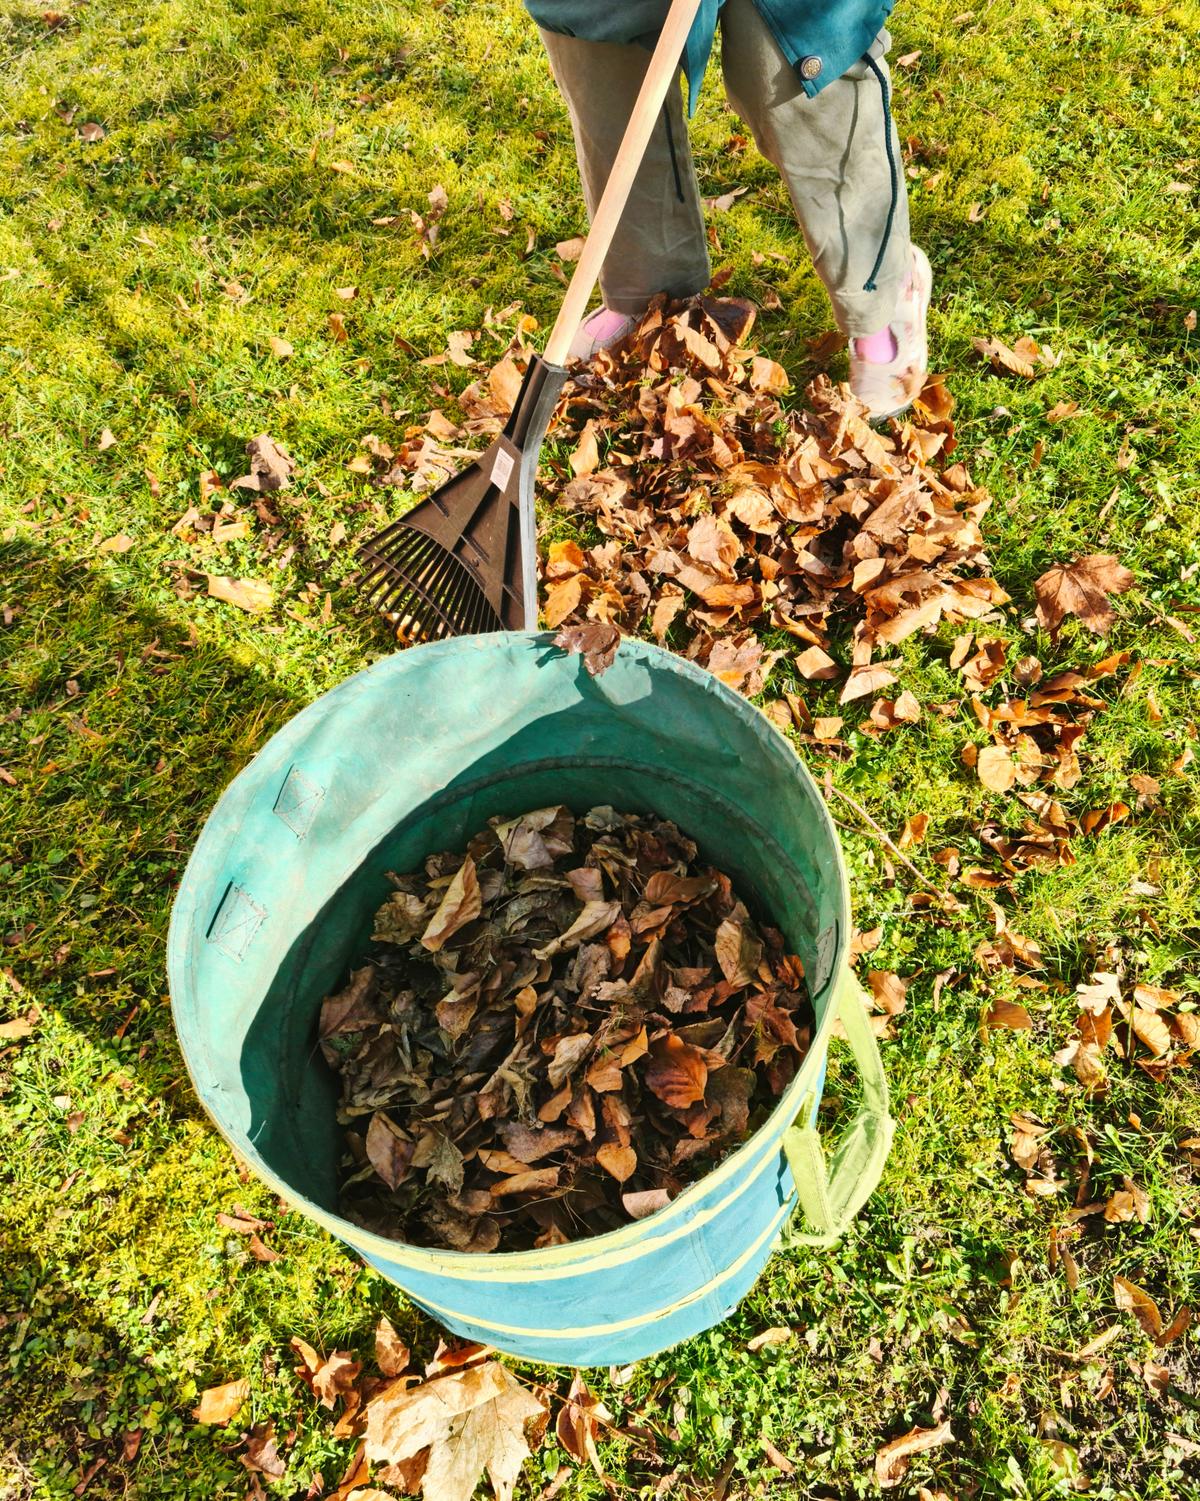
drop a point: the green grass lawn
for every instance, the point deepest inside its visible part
(254, 158)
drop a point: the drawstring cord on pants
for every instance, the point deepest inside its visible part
(869, 285)
(671, 147)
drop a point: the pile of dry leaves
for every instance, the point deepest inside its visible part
(724, 512)
(555, 1032)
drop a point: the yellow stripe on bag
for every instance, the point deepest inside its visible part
(589, 1330)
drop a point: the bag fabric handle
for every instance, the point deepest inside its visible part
(832, 1194)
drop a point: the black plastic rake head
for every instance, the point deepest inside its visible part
(463, 562)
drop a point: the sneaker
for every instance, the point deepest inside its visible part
(889, 388)
(600, 330)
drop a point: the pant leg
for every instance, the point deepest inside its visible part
(660, 244)
(830, 152)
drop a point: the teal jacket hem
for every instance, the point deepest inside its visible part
(834, 32)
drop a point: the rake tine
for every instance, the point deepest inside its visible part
(450, 600)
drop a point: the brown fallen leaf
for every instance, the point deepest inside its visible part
(1130, 1298)
(1180, 1324)
(777, 1336)
(777, 1456)
(1081, 588)
(259, 1249)
(816, 664)
(724, 201)
(766, 375)
(389, 1151)
(677, 1073)
(596, 642)
(1008, 1014)
(255, 596)
(914, 830)
(892, 1460)
(271, 466)
(391, 1353)
(620, 1161)
(1022, 359)
(120, 543)
(888, 991)
(1151, 1030)
(645, 1202)
(578, 1424)
(996, 769)
(219, 1404)
(570, 250)
(280, 348)
(1128, 1203)
(865, 680)
(261, 1452)
(461, 904)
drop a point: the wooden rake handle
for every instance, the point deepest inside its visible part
(663, 70)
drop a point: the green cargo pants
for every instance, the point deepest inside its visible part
(829, 149)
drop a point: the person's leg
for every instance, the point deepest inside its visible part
(831, 154)
(660, 244)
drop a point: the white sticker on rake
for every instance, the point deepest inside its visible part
(501, 469)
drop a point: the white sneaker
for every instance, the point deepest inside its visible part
(888, 389)
(600, 330)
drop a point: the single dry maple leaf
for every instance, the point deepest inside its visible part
(1081, 588)
(477, 1419)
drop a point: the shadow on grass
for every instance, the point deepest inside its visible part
(125, 726)
(122, 726)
